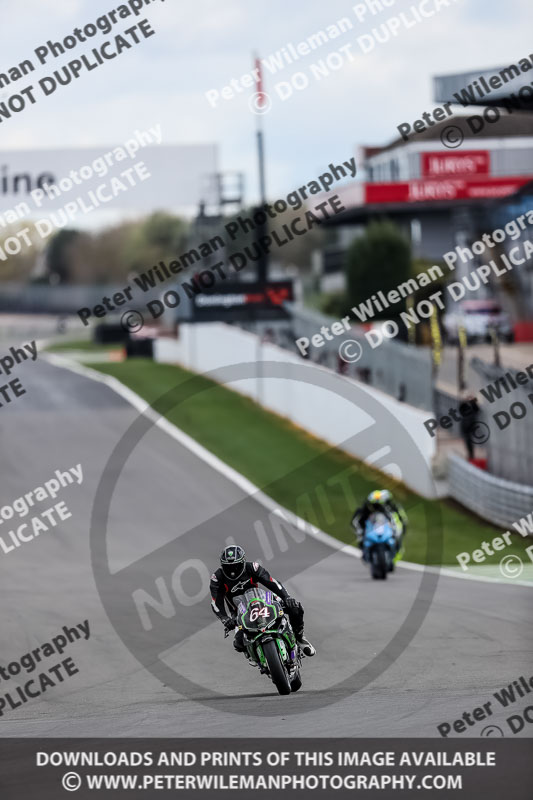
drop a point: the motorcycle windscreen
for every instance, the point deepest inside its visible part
(256, 609)
(379, 524)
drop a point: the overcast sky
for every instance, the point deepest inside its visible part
(202, 45)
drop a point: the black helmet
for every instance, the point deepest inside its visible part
(232, 561)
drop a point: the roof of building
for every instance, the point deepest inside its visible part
(516, 124)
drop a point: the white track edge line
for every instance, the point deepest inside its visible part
(249, 488)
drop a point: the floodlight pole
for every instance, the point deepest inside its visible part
(261, 230)
(261, 101)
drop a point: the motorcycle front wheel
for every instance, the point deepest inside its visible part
(379, 563)
(276, 668)
(296, 683)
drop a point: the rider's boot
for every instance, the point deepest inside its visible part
(305, 645)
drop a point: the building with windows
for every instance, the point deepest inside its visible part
(446, 184)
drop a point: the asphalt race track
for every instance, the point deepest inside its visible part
(170, 507)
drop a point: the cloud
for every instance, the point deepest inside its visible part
(205, 44)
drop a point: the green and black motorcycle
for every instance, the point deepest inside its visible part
(269, 638)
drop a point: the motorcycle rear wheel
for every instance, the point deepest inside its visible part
(277, 670)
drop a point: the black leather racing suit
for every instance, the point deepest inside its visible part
(224, 591)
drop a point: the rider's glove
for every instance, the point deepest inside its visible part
(291, 604)
(229, 624)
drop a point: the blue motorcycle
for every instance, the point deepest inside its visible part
(380, 546)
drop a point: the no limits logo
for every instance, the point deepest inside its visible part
(175, 606)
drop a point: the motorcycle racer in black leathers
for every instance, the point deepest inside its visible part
(234, 577)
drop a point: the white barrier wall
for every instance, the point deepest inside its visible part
(322, 412)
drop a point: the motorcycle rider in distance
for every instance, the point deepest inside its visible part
(234, 577)
(380, 501)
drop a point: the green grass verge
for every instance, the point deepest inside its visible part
(83, 345)
(302, 473)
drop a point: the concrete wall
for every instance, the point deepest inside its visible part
(400, 447)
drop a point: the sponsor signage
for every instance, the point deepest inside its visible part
(173, 177)
(243, 301)
(467, 162)
(444, 189)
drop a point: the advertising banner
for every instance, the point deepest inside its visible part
(140, 173)
(444, 189)
(468, 162)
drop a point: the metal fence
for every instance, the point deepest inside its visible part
(442, 403)
(399, 370)
(39, 298)
(498, 501)
(510, 447)
(504, 493)
(42, 299)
